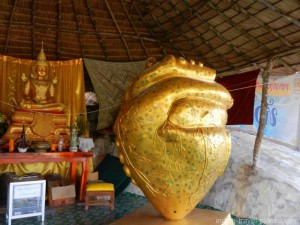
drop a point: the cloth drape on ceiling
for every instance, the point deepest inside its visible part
(110, 80)
(242, 89)
(69, 91)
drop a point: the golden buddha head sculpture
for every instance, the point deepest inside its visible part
(41, 65)
(171, 134)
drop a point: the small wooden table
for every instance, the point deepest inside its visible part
(44, 157)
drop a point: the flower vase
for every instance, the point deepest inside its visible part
(73, 141)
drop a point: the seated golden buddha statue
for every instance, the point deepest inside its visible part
(44, 118)
(39, 91)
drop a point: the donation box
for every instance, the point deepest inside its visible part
(26, 199)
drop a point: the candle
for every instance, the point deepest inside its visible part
(11, 145)
(53, 147)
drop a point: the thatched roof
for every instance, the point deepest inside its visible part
(227, 35)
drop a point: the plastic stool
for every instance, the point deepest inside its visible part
(98, 193)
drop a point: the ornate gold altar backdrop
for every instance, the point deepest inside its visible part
(69, 91)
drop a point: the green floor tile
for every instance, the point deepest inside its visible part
(97, 215)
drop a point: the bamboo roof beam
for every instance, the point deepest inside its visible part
(118, 28)
(204, 60)
(150, 30)
(163, 30)
(185, 18)
(78, 28)
(133, 27)
(271, 51)
(98, 34)
(232, 25)
(194, 13)
(58, 54)
(9, 26)
(262, 59)
(198, 34)
(227, 42)
(238, 9)
(33, 7)
(277, 11)
(82, 31)
(288, 66)
(181, 52)
(132, 5)
(235, 25)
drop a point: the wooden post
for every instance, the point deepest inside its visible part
(262, 117)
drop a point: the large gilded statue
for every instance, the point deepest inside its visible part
(39, 91)
(171, 134)
(43, 117)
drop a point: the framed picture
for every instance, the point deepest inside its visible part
(26, 199)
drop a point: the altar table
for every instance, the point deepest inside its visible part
(44, 157)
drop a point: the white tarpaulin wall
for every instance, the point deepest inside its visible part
(283, 112)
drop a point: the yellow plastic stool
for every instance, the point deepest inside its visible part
(96, 193)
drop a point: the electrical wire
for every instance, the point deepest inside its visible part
(103, 109)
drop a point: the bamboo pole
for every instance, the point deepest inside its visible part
(119, 29)
(150, 30)
(9, 26)
(239, 28)
(262, 58)
(78, 28)
(33, 7)
(278, 12)
(133, 27)
(163, 30)
(98, 33)
(58, 41)
(262, 117)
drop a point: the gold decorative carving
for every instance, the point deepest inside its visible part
(40, 122)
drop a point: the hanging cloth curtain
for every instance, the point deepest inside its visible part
(242, 89)
(110, 80)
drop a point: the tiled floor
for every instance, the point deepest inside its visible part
(96, 215)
